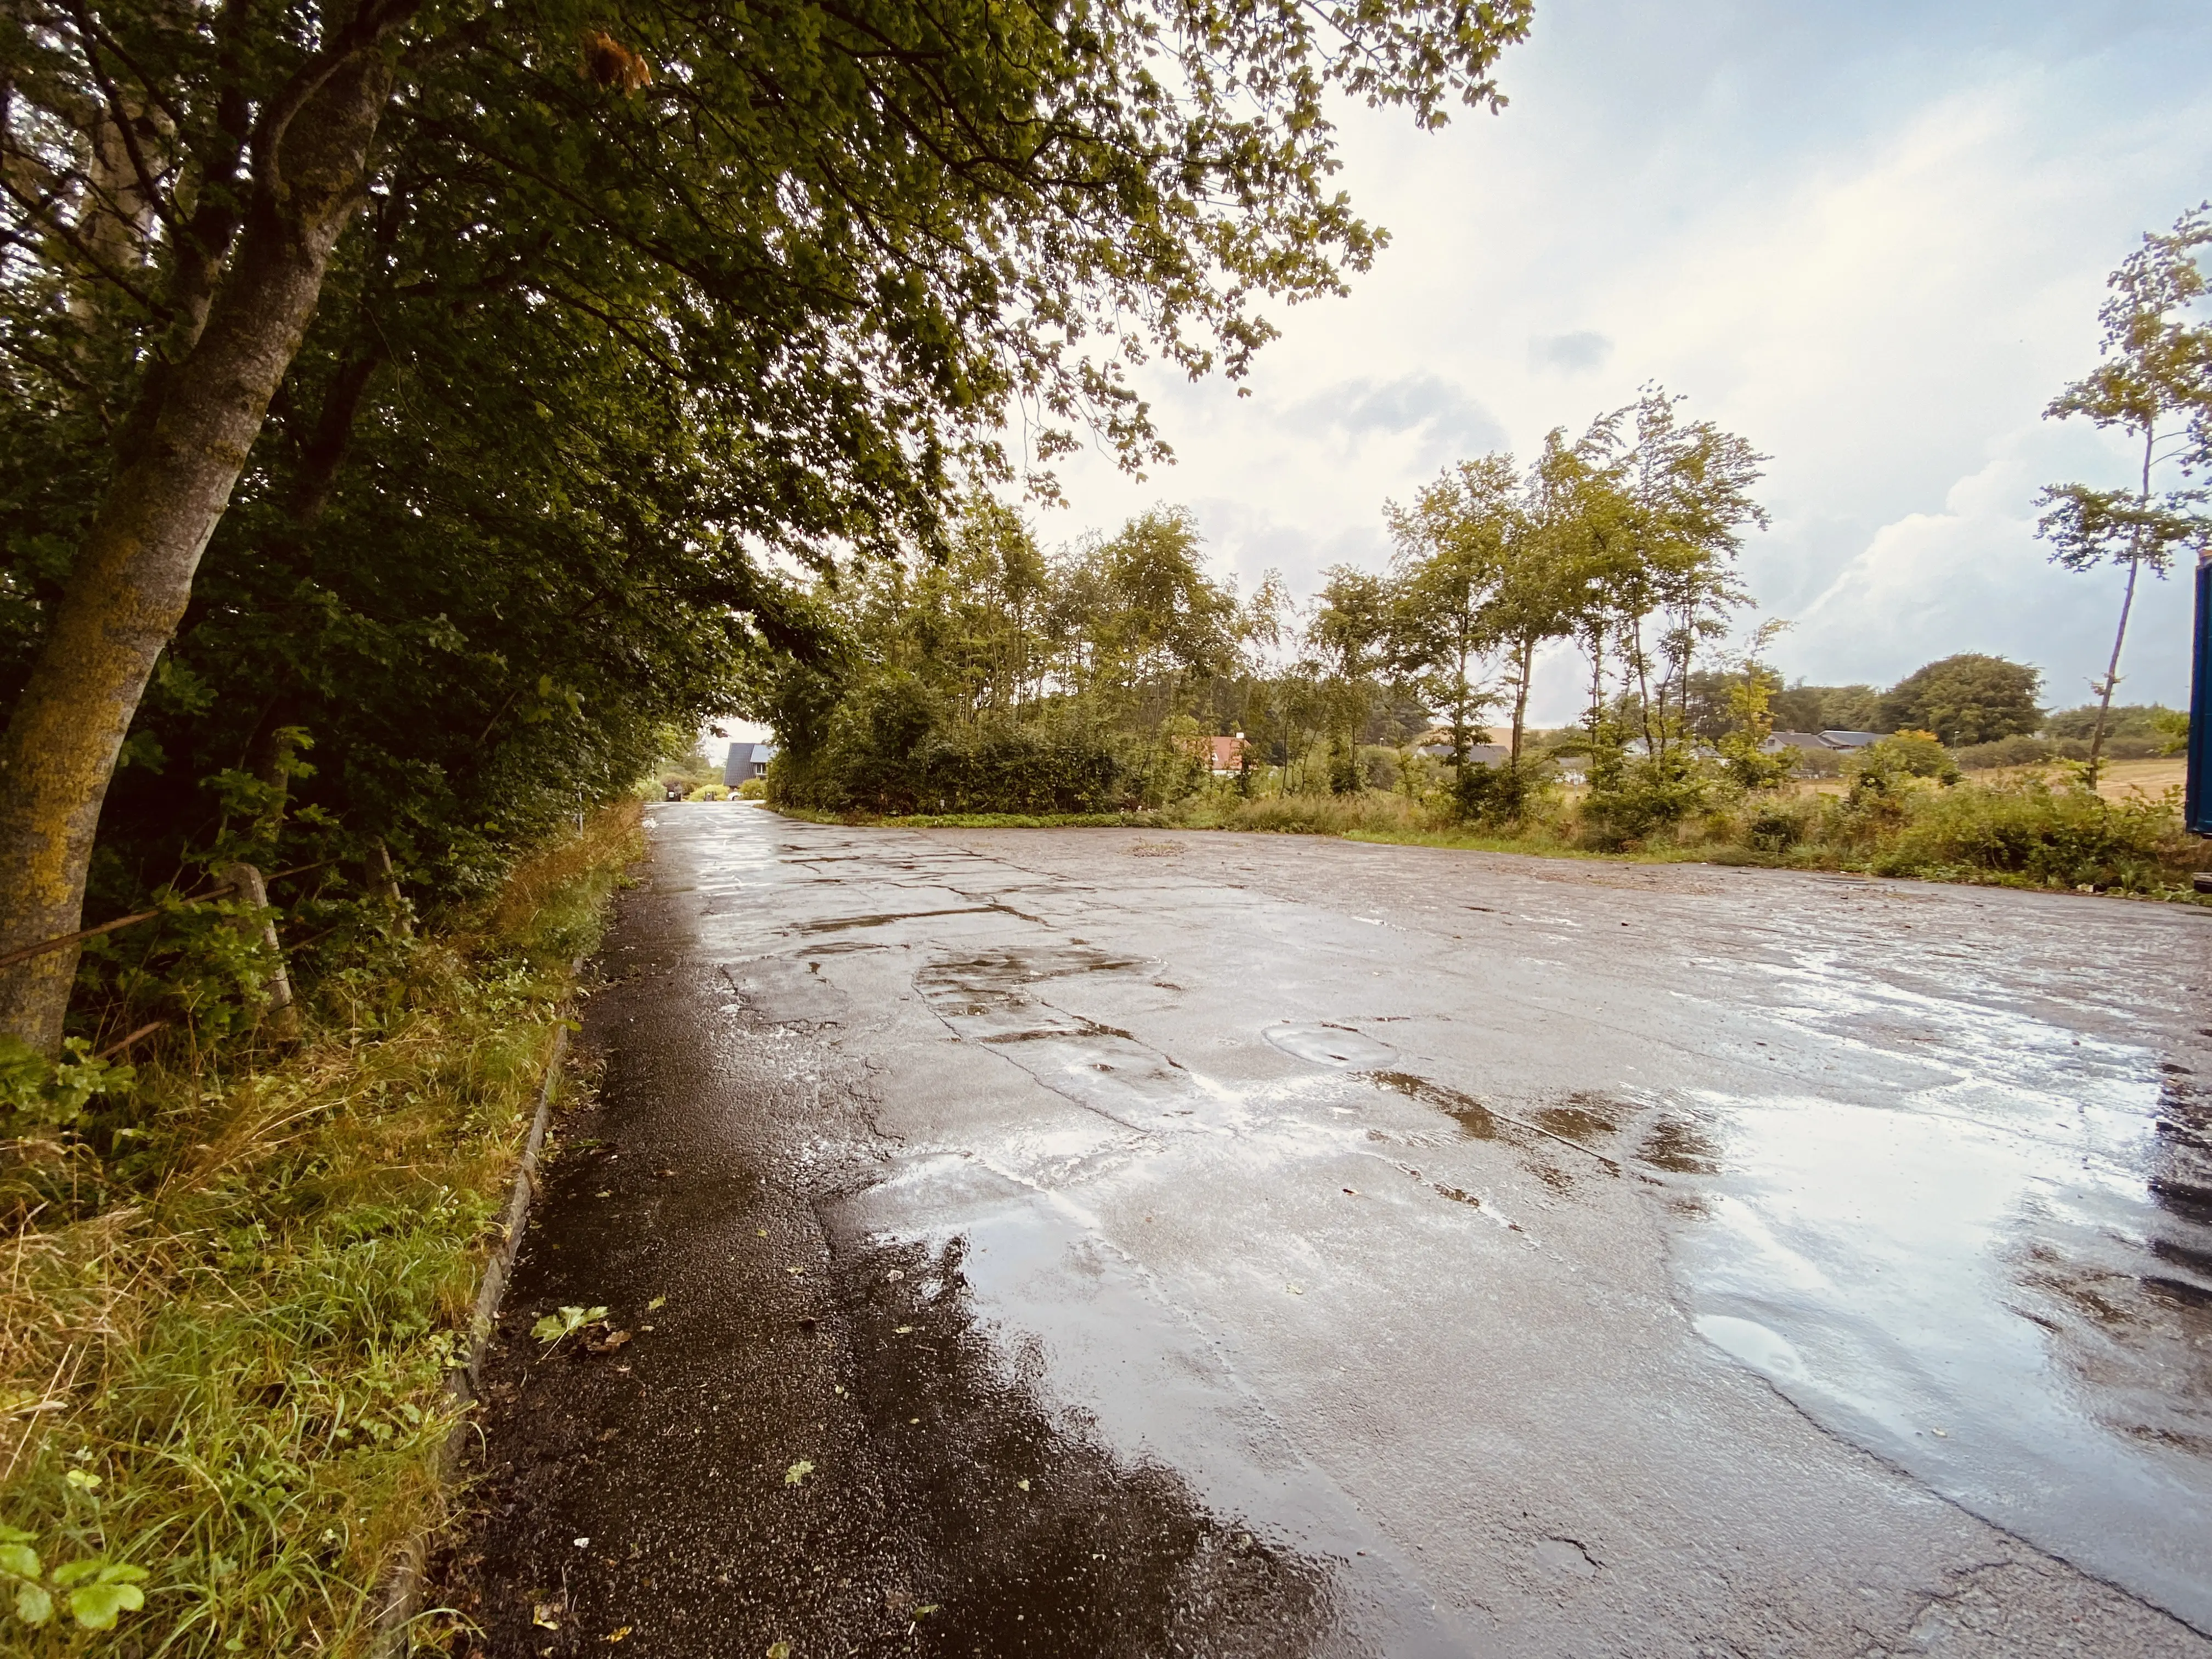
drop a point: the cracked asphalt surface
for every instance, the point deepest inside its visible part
(1130, 1243)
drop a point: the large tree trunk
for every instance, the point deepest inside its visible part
(1524, 663)
(133, 573)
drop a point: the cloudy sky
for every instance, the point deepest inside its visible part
(1871, 237)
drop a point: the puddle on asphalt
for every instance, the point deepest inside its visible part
(1326, 1044)
(1582, 1117)
(1019, 1519)
(1167, 1510)
(1678, 1147)
(2015, 1310)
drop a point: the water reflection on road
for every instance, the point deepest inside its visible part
(1995, 1311)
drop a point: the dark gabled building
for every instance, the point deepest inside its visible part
(747, 760)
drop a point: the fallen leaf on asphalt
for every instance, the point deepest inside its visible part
(546, 1615)
(555, 1326)
(794, 1270)
(606, 1344)
(902, 1330)
(926, 1607)
(657, 1302)
(605, 1194)
(1023, 1485)
(798, 1472)
(779, 1650)
(616, 1635)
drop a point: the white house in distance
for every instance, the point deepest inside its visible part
(747, 760)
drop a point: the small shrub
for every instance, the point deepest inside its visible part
(1904, 754)
(1638, 799)
(1775, 827)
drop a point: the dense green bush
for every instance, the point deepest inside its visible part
(891, 750)
(2020, 750)
(2062, 837)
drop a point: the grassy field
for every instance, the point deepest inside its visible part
(2119, 781)
(228, 1312)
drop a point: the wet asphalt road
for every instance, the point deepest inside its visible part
(1123, 1242)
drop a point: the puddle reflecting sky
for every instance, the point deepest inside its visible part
(1988, 1298)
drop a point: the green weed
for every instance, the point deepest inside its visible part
(229, 1305)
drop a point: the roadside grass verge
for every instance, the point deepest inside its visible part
(228, 1307)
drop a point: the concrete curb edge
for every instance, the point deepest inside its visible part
(401, 1602)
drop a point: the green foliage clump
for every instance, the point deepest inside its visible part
(999, 680)
(2125, 719)
(1901, 755)
(890, 751)
(1968, 698)
(2031, 833)
(37, 1094)
(234, 1290)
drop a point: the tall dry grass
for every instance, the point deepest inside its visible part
(226, 1367)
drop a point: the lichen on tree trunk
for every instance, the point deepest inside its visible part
(181, 454)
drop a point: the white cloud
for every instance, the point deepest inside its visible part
(1971, 577)
(1583, 348)
(1420, 403)
(1872, 239)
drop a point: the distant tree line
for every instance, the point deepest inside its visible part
(1001, 678)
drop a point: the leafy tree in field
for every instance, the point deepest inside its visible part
(842, 242)
(2152, 380)
(1965, 699)
(1687, 486)
(1491, 564)
(1350, 641)
(998, 678)
(1455, 545)
(1144, 620)
(1751, 718)
(1713, 701)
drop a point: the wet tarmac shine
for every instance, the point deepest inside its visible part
(1087, 1242)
